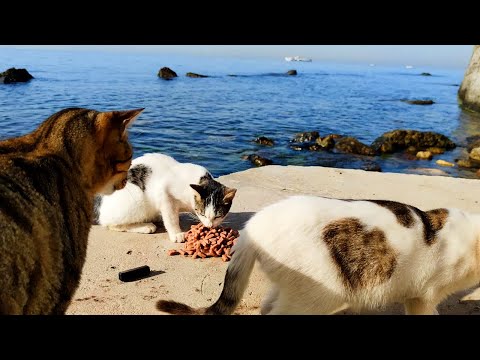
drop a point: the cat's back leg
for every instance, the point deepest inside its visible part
(267, 303)
(318, 302)
(124, 207)
(140, 228)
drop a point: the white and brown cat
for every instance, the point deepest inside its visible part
(323, 255)
(159, 185)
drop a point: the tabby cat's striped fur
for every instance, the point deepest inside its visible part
(48, 179)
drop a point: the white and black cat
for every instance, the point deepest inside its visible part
(323, 255)
(159, 185)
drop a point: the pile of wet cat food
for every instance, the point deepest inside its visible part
(202, 241)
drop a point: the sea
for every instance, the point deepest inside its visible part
(213, 121)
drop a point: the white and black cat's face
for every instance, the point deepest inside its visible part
(212, 201)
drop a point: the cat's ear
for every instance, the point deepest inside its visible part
(199, 189)
(229, 194)
(107, 121)
(126, 118)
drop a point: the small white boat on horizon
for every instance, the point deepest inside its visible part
(408, 67)
(297, 58)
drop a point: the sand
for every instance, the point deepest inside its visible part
(199, 282)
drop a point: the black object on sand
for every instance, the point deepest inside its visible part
(134, 274)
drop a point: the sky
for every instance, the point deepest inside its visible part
(455, 56)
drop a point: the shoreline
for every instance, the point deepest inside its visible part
(199, 282)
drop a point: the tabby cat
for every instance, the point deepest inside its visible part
(48, 180)
(324, 255)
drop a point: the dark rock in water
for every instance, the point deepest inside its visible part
(232, 75)
(327, 142)
(193, 75)
(424, 155)
(419, 102)
(262, 140)
(351, 145)
(167, 73)
(292, 72)
(475, 154)
(409, 156)
(472, 142)
(371, 166)
(13, 75)
(411, 150)
(257, 160)
(467, 163)
(398, 140)
(315, 147)
(456, 85)
(436, 150)
(425, 74)
(305, 136)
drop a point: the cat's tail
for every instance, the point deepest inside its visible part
(234, 285)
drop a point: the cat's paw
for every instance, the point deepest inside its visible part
(178, 237)
(147, 229)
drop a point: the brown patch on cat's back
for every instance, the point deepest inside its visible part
(363, 257)
(402, 211)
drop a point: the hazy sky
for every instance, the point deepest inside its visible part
(417, 55)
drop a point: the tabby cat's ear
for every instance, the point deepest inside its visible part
(126, 117)
(199, 189)
(229, 194)
(109, 120)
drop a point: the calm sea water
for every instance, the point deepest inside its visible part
(213, 121)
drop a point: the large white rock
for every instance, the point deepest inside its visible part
(469, 92)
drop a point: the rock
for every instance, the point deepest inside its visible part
(193, 75)
(299, 147)
(398, 140)
(409, 156)
(469, 92)
(436, 150)
(305, 136)
(292, 72)
(14, 75)
(328, 142)
(466, 163)
(371, 166)
(425, 74)
(167, 73)
(315, 147)
(258, 160)
(444, 163)
(425, 155)
(411, 150)
(262, 140)
(472, 142)
(419, 102)
(475, 154)
(478, 173)
(351, 145)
